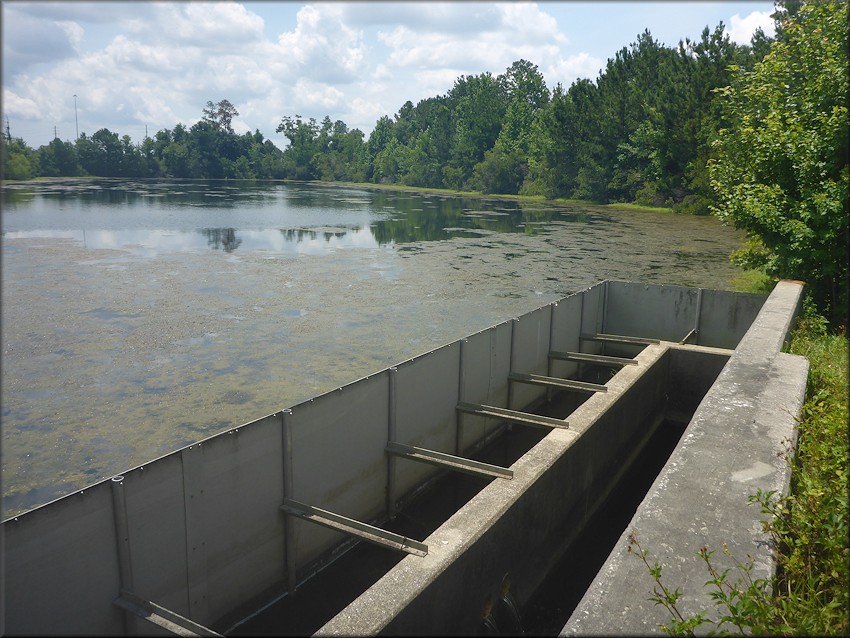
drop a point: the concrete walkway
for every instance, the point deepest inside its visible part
(734, 445)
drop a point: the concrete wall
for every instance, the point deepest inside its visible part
(733, 446)
(201, 529)
(518, 527)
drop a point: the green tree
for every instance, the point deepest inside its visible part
(781, 171)
(220, 115)
(478, 105)
(19, 160)
(303, 145)
(58, 159)
(525, 91)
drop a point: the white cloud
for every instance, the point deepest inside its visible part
(215, 25)
(27, 108)
(526, 22)
(73, 31)
(324, 45)
(743, 28)
(353, 61)
(316, 95)
(567, 70)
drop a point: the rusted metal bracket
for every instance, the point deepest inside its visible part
(644, 341)
(512, 415)
(601, 359)
(449, 460)
(555, 382)
(353, 527)
(160, 616)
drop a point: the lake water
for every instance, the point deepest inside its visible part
(139, 317)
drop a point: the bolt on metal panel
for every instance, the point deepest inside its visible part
(156, 516)
(426, 392)
(566, 328)
(60, 563)
(338, 458)
(530, 353)
(238, 518)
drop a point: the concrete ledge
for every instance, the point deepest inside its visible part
(733, 446)
(516, 527)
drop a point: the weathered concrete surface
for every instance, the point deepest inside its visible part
(556, 487)
(733, 446)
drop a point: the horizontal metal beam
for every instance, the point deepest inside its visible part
(448, 460)
(643, 341)
(555, 382)
(355, 528)
(512, 415)
(593, 358)
(160, 616)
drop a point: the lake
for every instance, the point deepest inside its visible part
(141, 316)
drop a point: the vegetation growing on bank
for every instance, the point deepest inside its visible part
(809, 526)
(781, 173)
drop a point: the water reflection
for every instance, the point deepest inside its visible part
(159, 216)
(222, 238)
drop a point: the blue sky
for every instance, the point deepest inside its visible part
(137, 66)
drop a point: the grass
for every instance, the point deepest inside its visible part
(809, 594)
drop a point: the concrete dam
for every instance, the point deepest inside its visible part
(544, 416)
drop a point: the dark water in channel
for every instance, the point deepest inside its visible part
(139, 317)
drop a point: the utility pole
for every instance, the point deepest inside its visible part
(8, 134)
(76, 122)
(54, 132)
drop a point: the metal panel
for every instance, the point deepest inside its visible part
(486, 364)
(530, 354)
(592, 306)
(339, 462)
(60, 565)
(234, 525)
(654, 311)
(726, 317)
(156, 517)
(196, 526)
(426, 396)
(566, 328)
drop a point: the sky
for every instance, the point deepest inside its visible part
(139, 67)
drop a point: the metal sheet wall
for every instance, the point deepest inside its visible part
(60, 566)
(670, 312)
(726, 317)
(658, 312)
(205, 530)
(486, 363)
(338, 458)
(233, 489)
(156, 519)
(529, 354)
(425, 411)
(592, 315)
(566, 329)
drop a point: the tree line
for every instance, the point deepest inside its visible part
(639, 133)
(756, 134)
